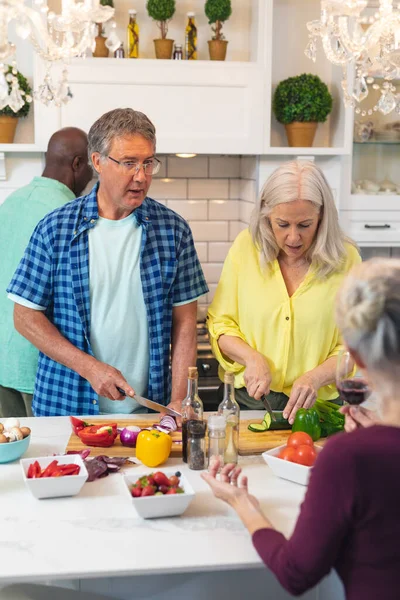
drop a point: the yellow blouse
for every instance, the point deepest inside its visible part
(295, 334)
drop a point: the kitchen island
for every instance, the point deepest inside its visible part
(96, 542)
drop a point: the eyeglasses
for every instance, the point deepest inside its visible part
(150, 166)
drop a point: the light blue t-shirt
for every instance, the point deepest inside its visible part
(119, 332)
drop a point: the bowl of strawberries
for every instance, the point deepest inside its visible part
(158, 494)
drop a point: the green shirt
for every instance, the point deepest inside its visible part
(19, 215)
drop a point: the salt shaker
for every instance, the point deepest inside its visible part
(216, 439)
(196, 445)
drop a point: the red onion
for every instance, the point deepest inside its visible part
(167, 424)
(128, 436)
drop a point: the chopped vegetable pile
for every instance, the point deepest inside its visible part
(53, 469)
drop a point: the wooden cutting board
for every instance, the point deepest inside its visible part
(249, 442)
(117, 449)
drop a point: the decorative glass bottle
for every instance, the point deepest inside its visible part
(231, 411)
(192, 408)
(191, 38)
(133, 35)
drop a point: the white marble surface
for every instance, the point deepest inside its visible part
(98, 533)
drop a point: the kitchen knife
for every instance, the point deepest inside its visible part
(153, 405)
(268, 407)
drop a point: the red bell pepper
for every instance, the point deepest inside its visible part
(78, 424)
(50, 469)
(34, 470)
(99, 435)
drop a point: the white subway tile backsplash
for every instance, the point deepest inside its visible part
(224, 166)
(234, 189)
(168, 188)
(208, 188)
(187, 167)
(201, 312)
(164, 202)
(246, 208)
(235, 227)
(210, 231)
(248, 167)
(212, 272)
(227, 210)
(218, 251)
(248, 190)
(196, 210)
(202, 251)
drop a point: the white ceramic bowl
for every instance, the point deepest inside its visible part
(154, 507)
(285, 469)
(55, 487)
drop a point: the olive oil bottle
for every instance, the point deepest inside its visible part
(133, 35)
(191, 38)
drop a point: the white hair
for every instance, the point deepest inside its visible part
(368, 314)
(301, 180)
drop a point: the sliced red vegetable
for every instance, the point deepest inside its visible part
(78, 424)
(101, 466)
(49, 470)
(167, 424)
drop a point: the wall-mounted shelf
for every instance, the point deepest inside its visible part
(378, 143)
(20, 148)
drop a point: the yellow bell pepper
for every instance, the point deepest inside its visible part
(153, 447)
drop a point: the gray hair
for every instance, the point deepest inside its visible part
(368, 314)
(117, 123)
(301, 180)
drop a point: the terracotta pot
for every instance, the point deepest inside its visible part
(8, 125)
(101, 50)
(163, 48)
(217, 49)
(301, 134)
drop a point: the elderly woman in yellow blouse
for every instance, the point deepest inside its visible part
(272, 318)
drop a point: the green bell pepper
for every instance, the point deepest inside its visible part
(307, 420)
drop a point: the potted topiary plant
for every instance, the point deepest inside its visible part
(101, 50)
(217, 12)
(14, 104)
(300, 103)
(162, 11)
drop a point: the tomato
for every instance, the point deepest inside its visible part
(305, 455)
(287, 454)
(300, 438)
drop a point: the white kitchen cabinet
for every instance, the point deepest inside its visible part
(202, 107)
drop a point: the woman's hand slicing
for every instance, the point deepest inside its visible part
(257, 376)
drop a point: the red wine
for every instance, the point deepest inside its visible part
(353, 391)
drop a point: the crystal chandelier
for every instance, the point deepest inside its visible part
(366, 47)
(55, 37)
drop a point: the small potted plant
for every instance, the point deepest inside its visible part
(162, 11)
(101, 50)
(19, 94)
(217, 12)
(300, 103)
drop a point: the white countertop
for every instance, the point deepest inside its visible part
(98, 533)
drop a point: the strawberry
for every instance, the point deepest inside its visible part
(136, 490)
(148, 490)
(161, 479)
(171, 490)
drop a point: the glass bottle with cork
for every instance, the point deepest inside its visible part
(133, 35)
(216, 439)
(191, 38)
(230, 409)
(192, 408)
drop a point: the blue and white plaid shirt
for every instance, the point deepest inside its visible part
(54, 273)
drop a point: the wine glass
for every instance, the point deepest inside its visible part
(352, 387)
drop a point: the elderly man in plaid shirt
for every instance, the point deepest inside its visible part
(108, 285)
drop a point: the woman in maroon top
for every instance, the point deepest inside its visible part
(349, 519)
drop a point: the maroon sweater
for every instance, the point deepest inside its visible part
(349, 520)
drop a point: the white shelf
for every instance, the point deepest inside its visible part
(318, 151)
(20, 148)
